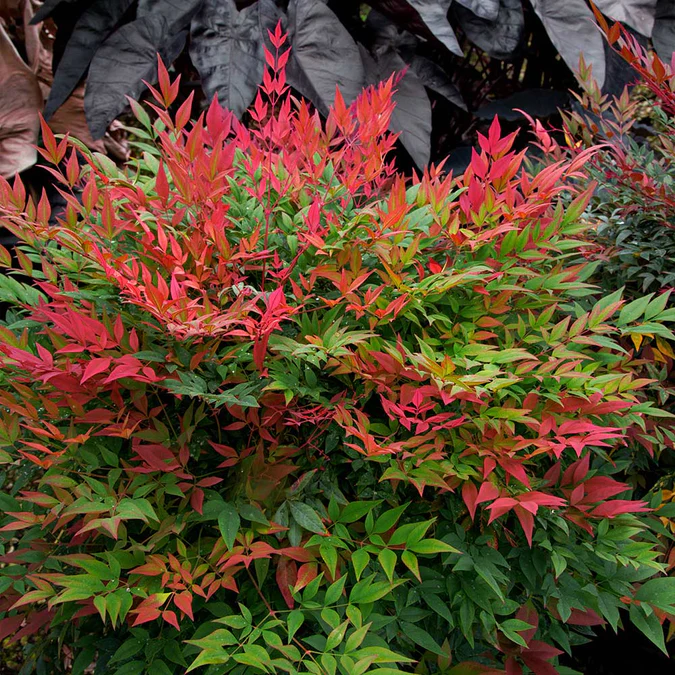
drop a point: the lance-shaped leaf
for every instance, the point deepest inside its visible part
(435, 78)
(638, 14)
(226, 47)
(324, 55)
(412, 115)
(177, 12)
(426, 18)
(20, 103)
(96, 23)
(571, 27)
(663, 34)
(485, 9)
(123, 61)
(498, 38)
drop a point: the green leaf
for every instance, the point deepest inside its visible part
(360, 560)
(382, 655)
(431, 546)
(388, 519)
(387, 559)
(295, 619)
(228, 524)
(160, 668)
(510, 628)
(659, 592)
(657, 305)
(649, 626)
(100, 604)
(215, 640)
(136, 509)
(131, 668)
(252, 513)
(410, 561)
(209, 657)
(334, 591)
(336, 636)
(329, 663)
(356, 510)
(127, 649)
(634, 310)
(305, 516)
(114, 604)
(356, 638)
(420, 637)
(330, 557)
(366, 591)
(438, 606)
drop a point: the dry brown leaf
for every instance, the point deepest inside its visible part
(20, 104)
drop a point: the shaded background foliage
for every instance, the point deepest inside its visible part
(467, 60)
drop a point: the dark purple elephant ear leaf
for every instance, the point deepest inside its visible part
(323, 55)
(121, 65)
(226, 48)
(485, 9)
(663, 34)
(638, 14)
(572, 29)
(499, 37)
(411, 118)
(20, 105)
(95, 24)
(426, 18)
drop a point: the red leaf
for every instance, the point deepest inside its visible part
(10, 624)
(146, 614)
(197, 500)
(469, 495)
(286, 578)
(618, 506)
(500, 506)
(171, 618)
(582, 618)
(526, 520)
(306, 574)
(94, 367)
(184, 602)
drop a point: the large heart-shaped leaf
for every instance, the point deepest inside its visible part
(638, 14)
(384, 34)
(426, 18)
(412, 115)
(571, 27)
(663, 34)
(177, 12)
(435, 78)
(91, 29)
(485, 9)
(226, 47)
(499, 38)
(20, 103)
(123, 61)
(324, 55)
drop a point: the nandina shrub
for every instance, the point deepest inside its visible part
(267, 408)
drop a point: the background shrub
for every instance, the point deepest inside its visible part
(466, 60)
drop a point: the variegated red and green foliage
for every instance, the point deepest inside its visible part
(267, 407)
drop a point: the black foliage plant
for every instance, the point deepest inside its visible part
(459, 55)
